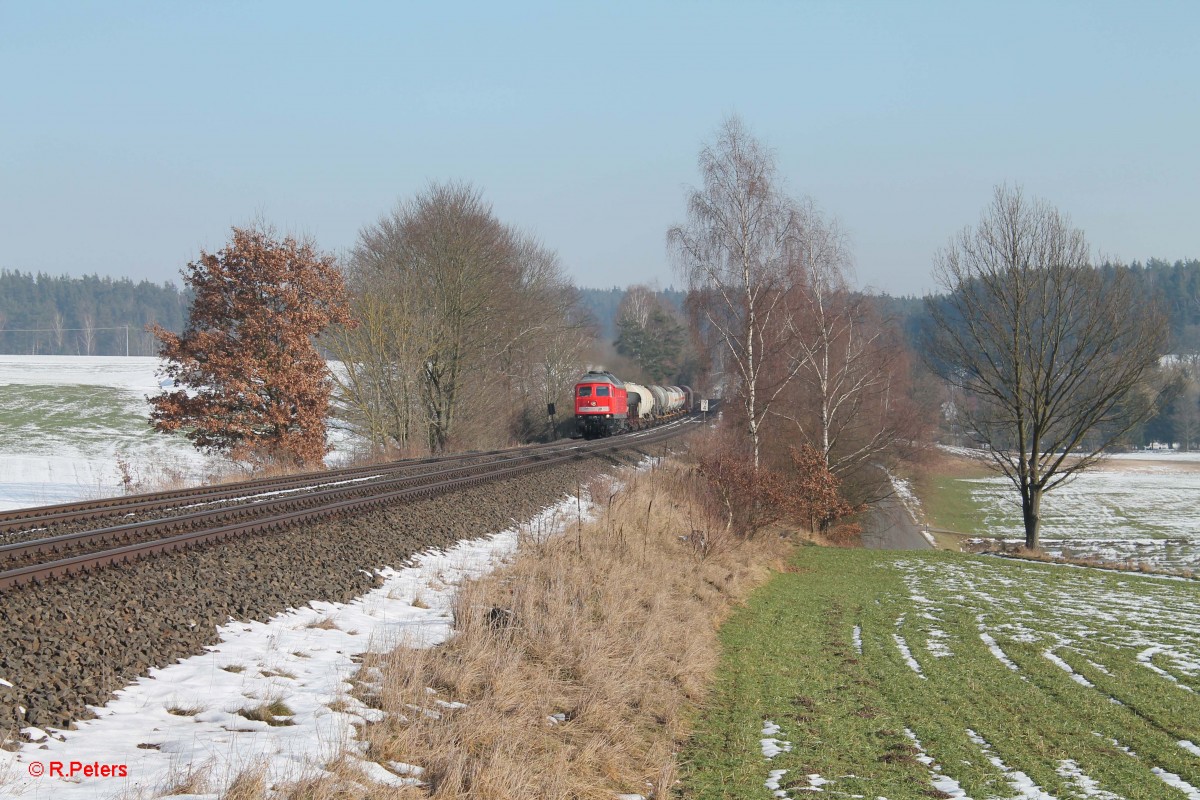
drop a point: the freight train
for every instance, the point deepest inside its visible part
(604, 404)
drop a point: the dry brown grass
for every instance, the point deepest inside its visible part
(837, 536)
(339, 780)
(188, 778)
(578, 662)
(249, 784)
(274, 712)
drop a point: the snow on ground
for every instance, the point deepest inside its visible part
(1143, 511)
(188, 714)
(941, 782)
(1161, 456)
(1155, 619)
(1149, 622)
(65, 421)
(907, 496)
(905, 652)
(1084, 785)
(912, 504)
(1020, 783)
(771, 745)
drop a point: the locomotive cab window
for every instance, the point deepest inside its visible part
(585, 391)
(601, 391)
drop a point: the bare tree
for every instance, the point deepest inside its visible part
(835, 345)
(1185, 411)
(852, 400)
(736, 253)
(59, 333)
(457, 310)
(376, 388)
(1050, 357)
(87, 336)
(381, 357)
(636, 306)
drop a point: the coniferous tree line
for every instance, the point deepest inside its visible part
(1174, 286)
(61, 315)
(604, 306)
(54, 304)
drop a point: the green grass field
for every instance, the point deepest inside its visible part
(47, 417)
(948, 499)
(907, 676)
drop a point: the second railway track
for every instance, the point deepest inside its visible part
(243, 511)
(92, 511)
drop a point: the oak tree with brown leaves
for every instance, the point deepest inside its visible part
(248, 380)
(815, 497)
(752, 499)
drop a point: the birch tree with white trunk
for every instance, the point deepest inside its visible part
(736, 251)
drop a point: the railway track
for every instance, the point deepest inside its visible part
(209, 514)
(90, 511)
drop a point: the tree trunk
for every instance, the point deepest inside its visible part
(1031, 509)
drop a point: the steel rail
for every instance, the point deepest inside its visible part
(89, 510)
(54, 544)
(477, 474)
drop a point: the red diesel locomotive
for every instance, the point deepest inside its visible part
(601, 404)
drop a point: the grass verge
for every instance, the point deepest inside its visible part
(946, 494)
(571, 671)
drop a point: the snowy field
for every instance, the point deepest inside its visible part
(66, 422)
(1144, 508)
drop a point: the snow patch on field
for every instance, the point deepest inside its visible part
(1083, 784)
(1021, 783)
(1065, 667)
(1146, 658)
(902, 646)
(1112, 623)
(1142, 512)
(936, 644)
(941, 782)
(771, 745)
(1156, 619)
(1176, 782)
(992, 645)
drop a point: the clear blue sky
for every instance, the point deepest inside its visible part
(134, 134)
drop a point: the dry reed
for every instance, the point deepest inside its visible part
(571, 671)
